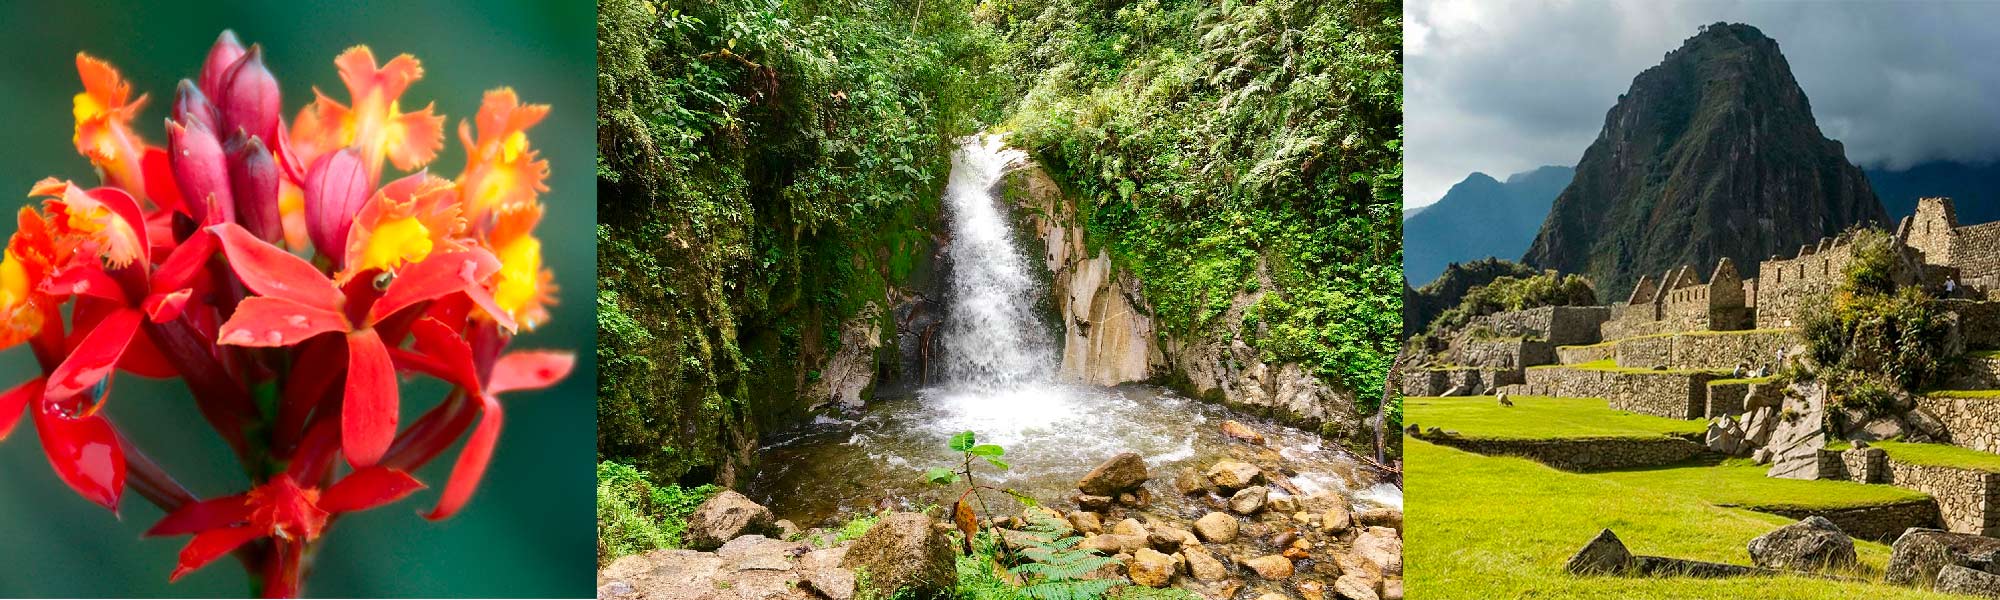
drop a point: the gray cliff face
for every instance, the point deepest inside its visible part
(1109, 335)
(1712, 154)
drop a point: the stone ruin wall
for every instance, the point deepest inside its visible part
(1965, 498)
(1976, 254)
(1672, 394)
(1510, 354)
(1734, 397)
(1581, 455)
(1557, 325)
(1972, 423)
(1705, 351)
(1576, 355)
(1978, 322)
(1879, 523)
(1470, 380)
(1784, 286)
(1976, 373)
(1929, 230)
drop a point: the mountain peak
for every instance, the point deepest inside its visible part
(1712, 154)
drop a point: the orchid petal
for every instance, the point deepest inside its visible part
(84, 280)
(271, 271)
(85, 454)
(439, 275)
(161, 308)
(206, 515)
(143, 358)
(14, 402)
(369, 411)
(437, 340)
(472, 461)
(368, 488)
(184, 263)
(94, 357)
(272, 322)
(210, 545)
(529, 370)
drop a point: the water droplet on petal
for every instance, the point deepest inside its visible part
(79, 288)
(299, 321)
(467, 269)
(240, 336)
(275, 336)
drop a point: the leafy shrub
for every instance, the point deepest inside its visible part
(634, 515)
(1869, 325)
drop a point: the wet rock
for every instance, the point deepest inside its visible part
(1231, 475)
(1919, 554)
(1273, 596)
(1190, 482)
(1164, 542)
(726, 516)
(1381, 517)
(1284, 503)
(1310, 590)
(1605, 554)
(1382, 547)
(1150, 568)
(1216, 528)
(1130, 527)
(1392, 589)
(1814, 544)
(1181, 536)
(832, 583)
(1122, 473)
(1285, 538)
(1086, 521)
(1093, 503)
(659, 574)
(1272, 567)
(1112, 543)
(1337, 519)
(1296, 553)
(904, 554)
(1249, 500)
(1954, 579)
(1351, 587)
(1203, 565)
(1242, 432)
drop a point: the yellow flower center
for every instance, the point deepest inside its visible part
(395, 243)
(13, 283)
(87, 108)
(520, 275)
(516, 143)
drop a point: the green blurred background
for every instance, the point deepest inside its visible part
(530, 530)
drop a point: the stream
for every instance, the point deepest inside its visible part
(999, 363)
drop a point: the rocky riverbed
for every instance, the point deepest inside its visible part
(1242, 522)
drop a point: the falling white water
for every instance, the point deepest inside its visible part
(993, 338)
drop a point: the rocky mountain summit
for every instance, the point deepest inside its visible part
(1712, 154)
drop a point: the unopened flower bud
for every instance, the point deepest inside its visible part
(249, 100)
(224, 53)
(253, 182)
(192, 106)
(202, 171)
(336, 187)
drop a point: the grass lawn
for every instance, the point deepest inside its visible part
(1969, 394)
(1765, 379)
(1538, 417)
(1610, 365)
(1741, 483)
(1498, 527)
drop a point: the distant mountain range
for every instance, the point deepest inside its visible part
(1479, 218)
(1973, 188)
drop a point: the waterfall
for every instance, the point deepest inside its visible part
(993, 337)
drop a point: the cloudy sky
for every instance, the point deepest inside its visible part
(1507, 86)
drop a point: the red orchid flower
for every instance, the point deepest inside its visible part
(296, 301)
(289, 514)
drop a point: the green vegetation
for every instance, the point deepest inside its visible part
(1872, 337)
(766, 170)
(1207, 139)
(1743, 380)
(1515, 293)
(1743, 484)
(1493, 527)
(1539, 417)
(634, 515)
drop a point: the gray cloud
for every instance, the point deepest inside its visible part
(1506, 86)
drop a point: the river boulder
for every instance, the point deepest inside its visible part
(905, 555)
(1814, 544)
(1242, 432)
(1150, 568)
(1123, 473)
(1216, 528)
(1248, 501)
(1231, 475)
(726, 516)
